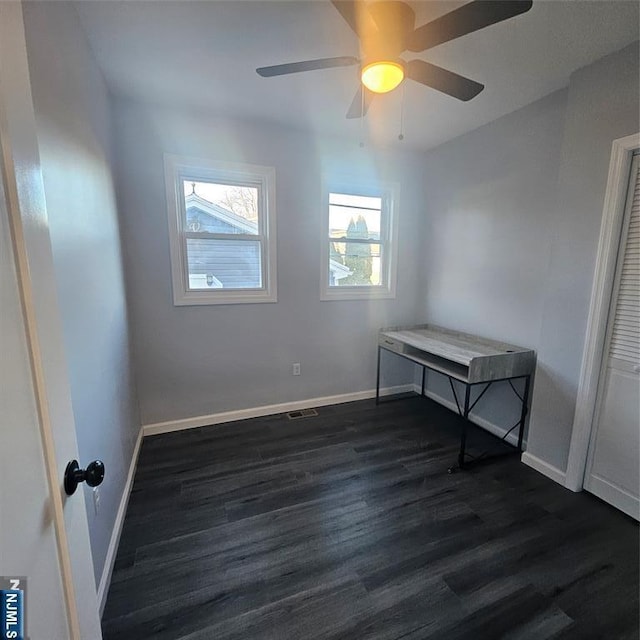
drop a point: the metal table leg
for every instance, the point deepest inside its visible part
(378, 379)
(525, 409)
(463, 437)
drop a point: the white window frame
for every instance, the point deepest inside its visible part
(389, 192)
(181, 168)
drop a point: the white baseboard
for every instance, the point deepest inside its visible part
(615, 495)
(496, 430)
(544, 468)
(105, 580)
(268, 410)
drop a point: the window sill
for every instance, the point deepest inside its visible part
(357, 293)
(194, 298)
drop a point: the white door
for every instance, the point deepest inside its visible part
(43, 534)
(613, 463)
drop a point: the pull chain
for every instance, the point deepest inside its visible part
(362, 90)
(401, 136)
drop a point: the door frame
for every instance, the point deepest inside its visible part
(622, 151)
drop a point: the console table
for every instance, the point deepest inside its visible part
(469, 359)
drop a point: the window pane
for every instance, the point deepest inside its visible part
(220, 208)
(354, 216)
(224, 264)
(354, 264)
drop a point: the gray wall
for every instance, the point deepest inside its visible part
(74, 135)
(603, 105)
(199, 360)
(514, 213)
(491, 199)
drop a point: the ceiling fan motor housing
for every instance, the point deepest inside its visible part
(394, 21)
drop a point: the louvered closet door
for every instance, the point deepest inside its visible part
(613, 464)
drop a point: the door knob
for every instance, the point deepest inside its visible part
(93, 475)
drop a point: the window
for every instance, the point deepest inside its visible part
(222, 231)
(359, 245)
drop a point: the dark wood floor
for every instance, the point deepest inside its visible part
(346, 526)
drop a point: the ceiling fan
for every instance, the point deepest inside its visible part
(386, 29)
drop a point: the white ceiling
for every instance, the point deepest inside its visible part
(204, 54)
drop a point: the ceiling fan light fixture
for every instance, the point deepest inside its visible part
(382, 76)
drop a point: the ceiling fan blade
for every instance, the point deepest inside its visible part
(466, 19)
(358, 108)
(393, 15)
(307, 65)
(442, 80)
(356, 16)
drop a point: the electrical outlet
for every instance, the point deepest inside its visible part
(96, 499)
(295, 369)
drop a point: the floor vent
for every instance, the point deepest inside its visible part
(303, 413)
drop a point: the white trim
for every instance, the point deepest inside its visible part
(615, 495)
(107, 571)
(544, 468)
(309, 403)
(612, 216)
(267, 410)
(390, 193)
(491, 427)
(176, 168)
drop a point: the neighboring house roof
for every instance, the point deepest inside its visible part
(339, 270)
(220, 213)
